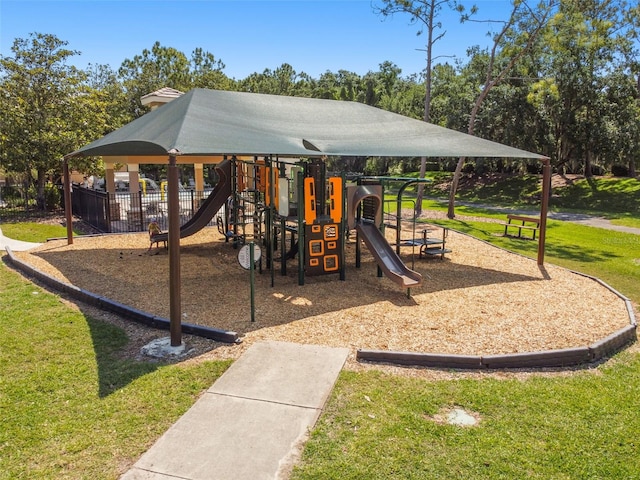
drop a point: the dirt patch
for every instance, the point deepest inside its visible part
(456, 416)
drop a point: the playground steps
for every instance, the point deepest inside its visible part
(429, 245)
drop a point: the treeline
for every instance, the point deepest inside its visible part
(574, 96)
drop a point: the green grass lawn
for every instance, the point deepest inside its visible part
(626, 221)
(71, 407)
(610, 196)
(581, 426)
(379, 426)
(612, 256)
(33, 231)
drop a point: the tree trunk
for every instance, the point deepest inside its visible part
(427, 101)
(420, 193)
(588, 173)
(451, 211)
(40, 196)
(489, 83)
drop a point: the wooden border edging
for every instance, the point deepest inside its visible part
(544, 359)
(420, 359)
(118, 308)
(551, 358)
(612, 343)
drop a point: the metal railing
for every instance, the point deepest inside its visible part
(18, 203)
(131, 212)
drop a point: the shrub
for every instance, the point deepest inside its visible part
(620, 171)
(52, 197)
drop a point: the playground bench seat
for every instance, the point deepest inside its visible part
(521, 223)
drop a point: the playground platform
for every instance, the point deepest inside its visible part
(253, 421)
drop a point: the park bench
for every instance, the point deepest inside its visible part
(522, 223)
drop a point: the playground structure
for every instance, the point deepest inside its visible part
(296, 209)
(478, 296)
(203, 124)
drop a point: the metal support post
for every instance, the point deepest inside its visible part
(175, 308)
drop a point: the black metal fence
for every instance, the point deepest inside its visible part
(130, 212)
(105, 212)
(18, 203)
(92, 206)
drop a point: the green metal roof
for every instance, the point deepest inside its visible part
(213, 122)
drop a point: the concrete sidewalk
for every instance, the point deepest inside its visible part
(583, 218)
(252, 423)
(593, 221)
(15, 245)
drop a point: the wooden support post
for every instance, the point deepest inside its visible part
(175, 308)
(68, 209)
(544, 208)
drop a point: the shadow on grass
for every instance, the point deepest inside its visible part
(69, 346)
(576, 249)
(114, 370)
(605, 195)
(578, 254)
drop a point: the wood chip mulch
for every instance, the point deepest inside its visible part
(479, 300)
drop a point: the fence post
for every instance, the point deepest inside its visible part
(141, 213)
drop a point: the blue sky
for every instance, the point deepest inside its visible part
(248, 36)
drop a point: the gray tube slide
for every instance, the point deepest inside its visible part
(386, 257)
(209, 207)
